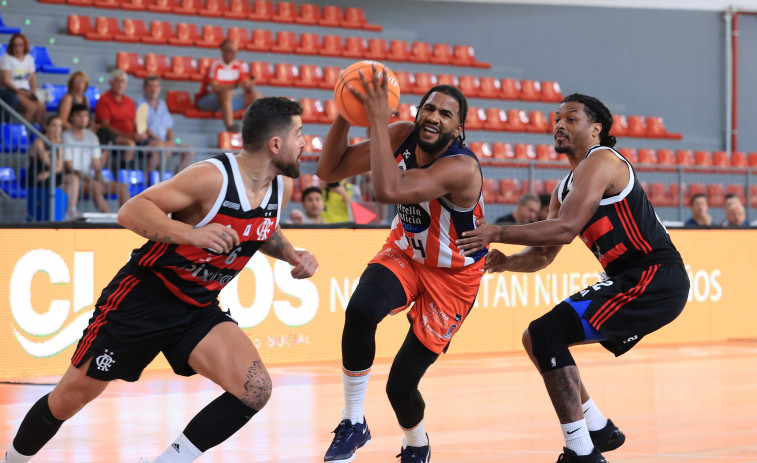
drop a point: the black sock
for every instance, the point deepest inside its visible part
(38, 427)
(218, 421)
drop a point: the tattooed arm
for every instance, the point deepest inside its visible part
(278, 247)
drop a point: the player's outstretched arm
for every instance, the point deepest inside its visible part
(531, 259)
(278, 247)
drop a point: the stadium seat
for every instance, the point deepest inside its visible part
(715, 194)
(183, 68)
(469, 86)
(9, 183)
(105, 29)
(659, 194)
(377, 49)
(44, 63)
(284, 74)
(188, 7)
(186, 35)
(524, 151)
(550, 92)
(80, 2)
(286, 12)
(286, 42)
(313, 143)
(14, 138)
(55, 93)
(309, 76)
(129, 62)
(703, 158)
(517, 120)
(398, 51)
(354, 47)
(423, 81)
(312, 110)
(135, 5)
(449, 79)
(262, 10)
(179, 102)
(666, 157)
(134, 31)
(546, 153)
(213, 8)
(109, 4)
(160, 33)
(538, 123)
(530, 90)
(238, 9)
(79, 25)
(309, 44)
(310, 14)
(630, 154)
(491, 191)
(509, 89)
(162, 6)
(329, 112)
(720, 159)
(406, 112)
(8, 30)
(685, 157)
(496, 119)
(503, 151)
(619, 126)
(441, 54)
(230, 140)
(211, 36)
(674, 190)
(134, 180)
(476, 118)
(510, 190)
(738, 159)
(93, 94)
(637, 127)
(647, 156)
(262, 40)
(752, 159)
(738, 190)
(420, 52)
(489, 87)
(155, 65)
(354, 18)
(753, 196)
(332, 45)
(483, 150)
(262, 71)
(330, 76)
(332, 16)
(465, 56)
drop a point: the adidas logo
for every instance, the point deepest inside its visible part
(176, 447)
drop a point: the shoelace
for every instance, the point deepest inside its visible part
(408, 452)
(343, 432)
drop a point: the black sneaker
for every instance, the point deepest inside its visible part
(349, 437)
(607, 438)
(569, 456)
(415, 454)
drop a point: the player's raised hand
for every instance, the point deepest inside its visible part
(214, 237)
(305, 265)
(376, 96)
(475, 240)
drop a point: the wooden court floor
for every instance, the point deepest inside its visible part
(676, 404)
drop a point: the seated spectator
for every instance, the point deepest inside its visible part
(699, 211)
(526, 211)
(116, 115)
(159, 126)
(544, 199)
(18, 81)
(83, 160)
(228, 85)
(337, 202)
(312, 203)
(735, 215)
(40, 156)
(78, 84)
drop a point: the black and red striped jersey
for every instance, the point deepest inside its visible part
(195, 275)
(625, 231)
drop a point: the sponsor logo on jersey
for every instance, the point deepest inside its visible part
(232, 205)
(414, 218)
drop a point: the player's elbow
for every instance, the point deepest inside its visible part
(384, 195)
(565, 234)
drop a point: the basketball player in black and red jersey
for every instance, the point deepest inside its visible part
(646, 285)
(437, 189)
(164, 299)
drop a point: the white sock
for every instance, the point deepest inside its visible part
(180, 451)
(355, 385)
(415, 437)
(12, 456)
(577, 438)
(595, 420)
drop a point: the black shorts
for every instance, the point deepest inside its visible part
(628, 306)
(135, 318)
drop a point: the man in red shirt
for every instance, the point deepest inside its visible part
(116, 113)
(228, 85)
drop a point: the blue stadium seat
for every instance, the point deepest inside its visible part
(155, 177)
(93, 94)
(8, 30)
(14, 138)
(9, 183)
(56, 92)
(44, 63)
(134, 179)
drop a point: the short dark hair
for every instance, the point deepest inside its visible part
(545, 198)
(729, 196)
(696, 196)
(597, 112)
(78, 107)
(311, 189)
(265, 118)
(149, 79)
(455, 93)
(528, 197)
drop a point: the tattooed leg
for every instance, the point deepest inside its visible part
(257, 388)
(564, 388)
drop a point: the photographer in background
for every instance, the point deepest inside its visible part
(337, 202)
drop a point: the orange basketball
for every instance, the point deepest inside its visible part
(349, 106)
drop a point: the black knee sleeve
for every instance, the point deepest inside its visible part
(378, 293)
(408, 368)
(218, 421)
(552, 333)
(37, 428)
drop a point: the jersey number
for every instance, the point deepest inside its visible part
(418, 245)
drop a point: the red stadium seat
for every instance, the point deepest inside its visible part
(753, 196)
(666, 157)
(262, 40)
(309, 14)
(406, 81)
(313, 143)
(178, 102)
(135, 5)
(655, 128)
(675, 194)
(442, 54)
(214, 8)
(684, 157)
(286, 42)
(377, 49)
(703, 158)
(509, 89)
(332, 16)
(496, 119)
(637, 127)
(79, 25)
(720, 159)
(423, 82)
(448, 79)
(329, 112)
(503, 151)
(465, 56)
(546, 153)
(550, 92)
(517, 120)
(81, 2)
(312, 110)
(530, 90)
(510, 189)
(332, 45)
(738, 159)
(155, 65)
(715, 194)
(354, 47)
(129, 62)
(354, 18)
(524, 151)
(647, 156)
(630, 154)
(476, 118)
(738, 190)
(619, 126)
(420, 52)
(309, 77)
(263, 72)
(752, 159)
(469, 86)
(286, 12)
(482, 149)
(212, 36)
(310, 44)
(284, 74)
(230, 140)
(188, 7)
(406, 112)
(240, 35)
(262, 10)
(538, 123)
(491, 191)
(183, 68)
(330, 76)
(162, 6)
(134, 31)
(105, 29)
(238, 9)
(160, 33)
(489, 87)
(110, 4)
(398, 51)
(186, 35)
(203, 66)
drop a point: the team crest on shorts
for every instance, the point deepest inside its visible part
(105, 361)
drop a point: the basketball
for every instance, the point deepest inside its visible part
(349, 106)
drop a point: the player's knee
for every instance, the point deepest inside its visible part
(361, 310)
(526, 340)
(257, 387)
(65, 402)
(549, 342)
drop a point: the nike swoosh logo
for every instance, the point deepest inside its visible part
(571, 432)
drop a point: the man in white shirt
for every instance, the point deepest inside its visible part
(82, 158)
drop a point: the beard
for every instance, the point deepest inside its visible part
(436, 146)
(291, 170)
(561, 149)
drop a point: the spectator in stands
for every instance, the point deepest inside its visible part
(735, 215)
(312, 203)
(337, 202)
(699, 211)
(228, 85)
(83, 160)
(40, 156)
(18, 81)
(159, 126)
(526, 211)
(78, 84)
(116, 114)
(544, 199)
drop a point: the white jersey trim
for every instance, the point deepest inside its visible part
(280, 184)
(622, 195)
(221, 194)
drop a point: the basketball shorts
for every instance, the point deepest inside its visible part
(442, 297)
(621, 310)
(135, 319)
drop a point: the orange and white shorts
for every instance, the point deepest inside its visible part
(443, 297)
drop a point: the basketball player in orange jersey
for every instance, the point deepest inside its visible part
(646, 285)
(437, 190)
(164, 299)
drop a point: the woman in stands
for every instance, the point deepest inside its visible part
(77, 86)
(17, 78)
